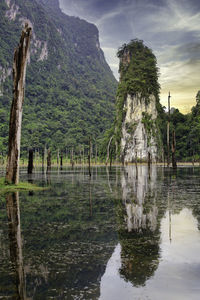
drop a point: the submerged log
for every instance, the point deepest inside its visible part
(19, 74)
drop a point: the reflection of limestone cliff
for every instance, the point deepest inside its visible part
(139, 225)
(137, 102)
(140, 214)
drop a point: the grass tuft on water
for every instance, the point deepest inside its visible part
(24, 186)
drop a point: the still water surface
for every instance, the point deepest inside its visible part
(120, 235)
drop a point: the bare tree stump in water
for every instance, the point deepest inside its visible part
(30, 161)
(19, 74)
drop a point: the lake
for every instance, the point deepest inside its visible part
(121, 234)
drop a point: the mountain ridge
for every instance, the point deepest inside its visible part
(70, 89)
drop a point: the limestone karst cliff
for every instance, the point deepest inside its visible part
(137, 102)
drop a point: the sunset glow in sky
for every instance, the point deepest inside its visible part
(171, 28)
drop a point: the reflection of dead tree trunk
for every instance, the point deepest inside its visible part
(16, 256)
(174, 150)
(19, 73)
(108, 150)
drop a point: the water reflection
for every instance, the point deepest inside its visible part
(108, 236)
(15, 240)
(139, 226)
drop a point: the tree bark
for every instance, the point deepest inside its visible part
(19, 74)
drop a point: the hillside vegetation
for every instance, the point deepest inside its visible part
(70, 89)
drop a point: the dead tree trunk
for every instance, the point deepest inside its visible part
(149, 164)
(61, 160)
(72, 158)
(49, 161)
(89, 157)
(43, 155)
(30, 161)
(174, 150)
(168, 128)
(19, 74)
(96, 154)
(58, 157)
(108, 150)
(136, 166)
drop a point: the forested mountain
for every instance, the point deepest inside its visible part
(70, 89)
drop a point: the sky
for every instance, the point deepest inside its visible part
(171, 28)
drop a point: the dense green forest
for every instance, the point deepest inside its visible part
(70, 89)
(187, 128)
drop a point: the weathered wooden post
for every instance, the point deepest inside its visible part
(19, 73)
(168, 127)
(30, 161)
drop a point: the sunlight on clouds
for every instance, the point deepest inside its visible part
(171, 28)
(182, 80)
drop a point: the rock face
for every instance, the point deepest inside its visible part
(138, 140)
(137, 132)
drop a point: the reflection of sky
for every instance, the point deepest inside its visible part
(177, 276)
(170, 27)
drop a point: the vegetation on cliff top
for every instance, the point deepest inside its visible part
(138, 76)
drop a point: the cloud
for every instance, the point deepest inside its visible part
(171, 28)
